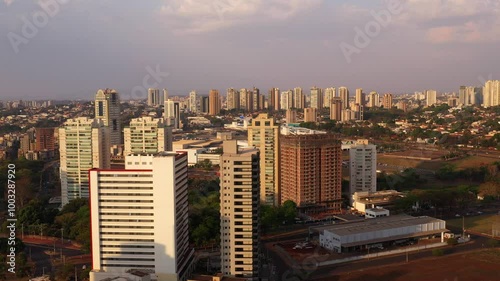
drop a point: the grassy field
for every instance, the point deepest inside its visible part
(467, 162)
(480, 224)
(480, 265)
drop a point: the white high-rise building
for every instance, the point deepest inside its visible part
(363, 167)
(298, 98)
(107, 108)
(233, 99)
(373, 99)
(330, 93)
(344, 96)
(316, 98)
(194, 102)
(172, 113)
(147, 135)
(431, 97)
(83, 144)
(139, 219)
(286, 101)
(491, 93)
(239, 209)
(155, 97)
(360, 97)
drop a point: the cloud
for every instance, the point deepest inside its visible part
(197, 16)
(448, 21)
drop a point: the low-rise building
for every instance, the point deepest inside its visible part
(345, 237)
(376, 213)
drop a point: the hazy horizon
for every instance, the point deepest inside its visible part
(77, 47)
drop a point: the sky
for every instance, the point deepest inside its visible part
(68, 49)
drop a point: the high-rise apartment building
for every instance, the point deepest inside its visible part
(139, 219)
(263, 134)
(373, 99)
(316, 98)
(107, 108)
(344, 96)
(363, 167)
(491, 93)
(310, 114)
(387, 101)
(45, 139)
(256, 106)
(286, 100)
(233, 99)
(274, 98)
(328, 96)
(466, 96)
(360, 97)
(243, 99)
(239, 209)
(155, 98)
(147, 135)
(214, 103)
(165, 94)
(336, 109)
(172, 114)
(83, 144)
(311, 171)
(430, 97)
(299, 100)
(194, 102)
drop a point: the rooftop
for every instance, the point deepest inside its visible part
(383, 223)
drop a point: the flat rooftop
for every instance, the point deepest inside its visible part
(376, 224)
(376, 210)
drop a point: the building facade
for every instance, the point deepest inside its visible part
(263, 134)
(107, 108)
(139, 218)
(147, 135)
(214, 103)
(239, 208)
(363, 167)
(311, 170)
(83, 144)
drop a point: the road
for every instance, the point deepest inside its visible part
(312, 273)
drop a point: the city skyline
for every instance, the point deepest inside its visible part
(186, 45)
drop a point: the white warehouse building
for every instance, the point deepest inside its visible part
(384, 230)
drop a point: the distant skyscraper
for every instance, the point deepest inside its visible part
(344, 96)
(107, 108)
(233, 99)
(274, 98)
(316, 98)
(155, 97)
(431, 97)
(194, 102)
(147, 135)
(330, 93)
(239, 209)
(310, 114)
(263, 134)
(387, 101)
(83, 144)
(243, 99)
(299, 101)
(403, 105)
(256, 106)
(360, 97)
(311, 171)
(466, 96)
(172, 114)
(374, 99)
(165, 94)
(139, 219)
(336, 109)
(286, 100)
(363, 167)
(204, 104)
(214, 103)
(491, 93)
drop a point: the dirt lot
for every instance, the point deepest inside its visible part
(480, 266)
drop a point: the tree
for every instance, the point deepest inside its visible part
(452, 241)
(437, 252)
